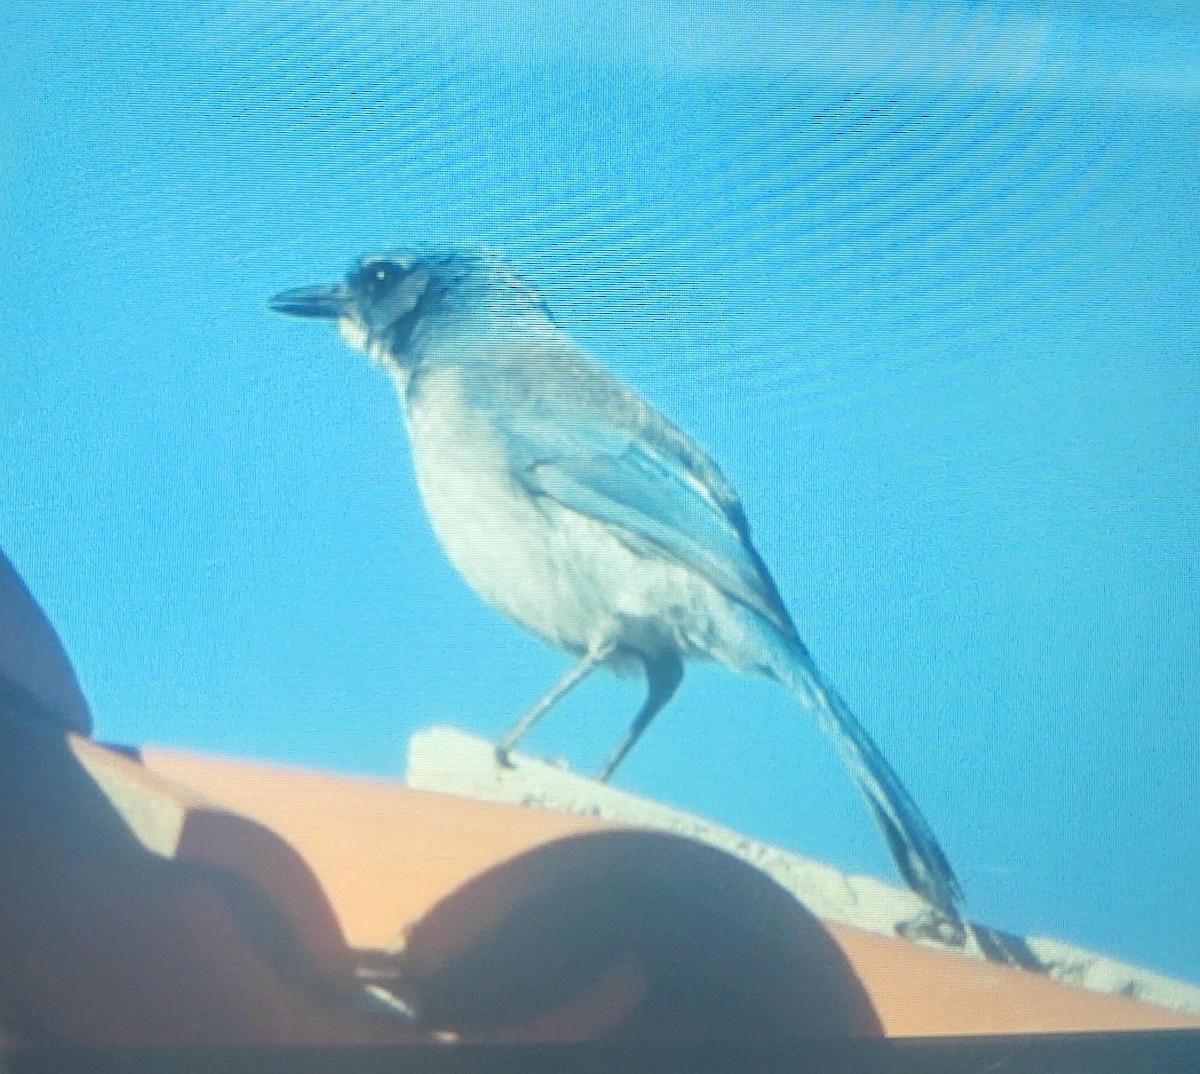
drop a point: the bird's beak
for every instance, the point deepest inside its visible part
(326, 302)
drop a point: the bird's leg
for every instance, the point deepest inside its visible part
(663, 677)
(592, 659)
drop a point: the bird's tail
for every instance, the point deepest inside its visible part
(913, 845)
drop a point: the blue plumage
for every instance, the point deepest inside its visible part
(574, 507)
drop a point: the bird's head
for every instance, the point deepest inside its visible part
(388, 302)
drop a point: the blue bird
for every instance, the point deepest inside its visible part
(574, 507)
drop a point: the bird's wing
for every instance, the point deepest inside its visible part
(648, 495)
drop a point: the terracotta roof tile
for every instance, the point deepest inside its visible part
(157, 897)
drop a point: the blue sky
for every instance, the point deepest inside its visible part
(922, 277)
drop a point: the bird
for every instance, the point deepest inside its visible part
(574, 507)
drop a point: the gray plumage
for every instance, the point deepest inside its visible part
(575, 508)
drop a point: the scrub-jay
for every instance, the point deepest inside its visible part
(575, 508)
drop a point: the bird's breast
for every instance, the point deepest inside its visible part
(496, 535)
(568, 577)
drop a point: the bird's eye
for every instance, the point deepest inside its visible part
(378, 278)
